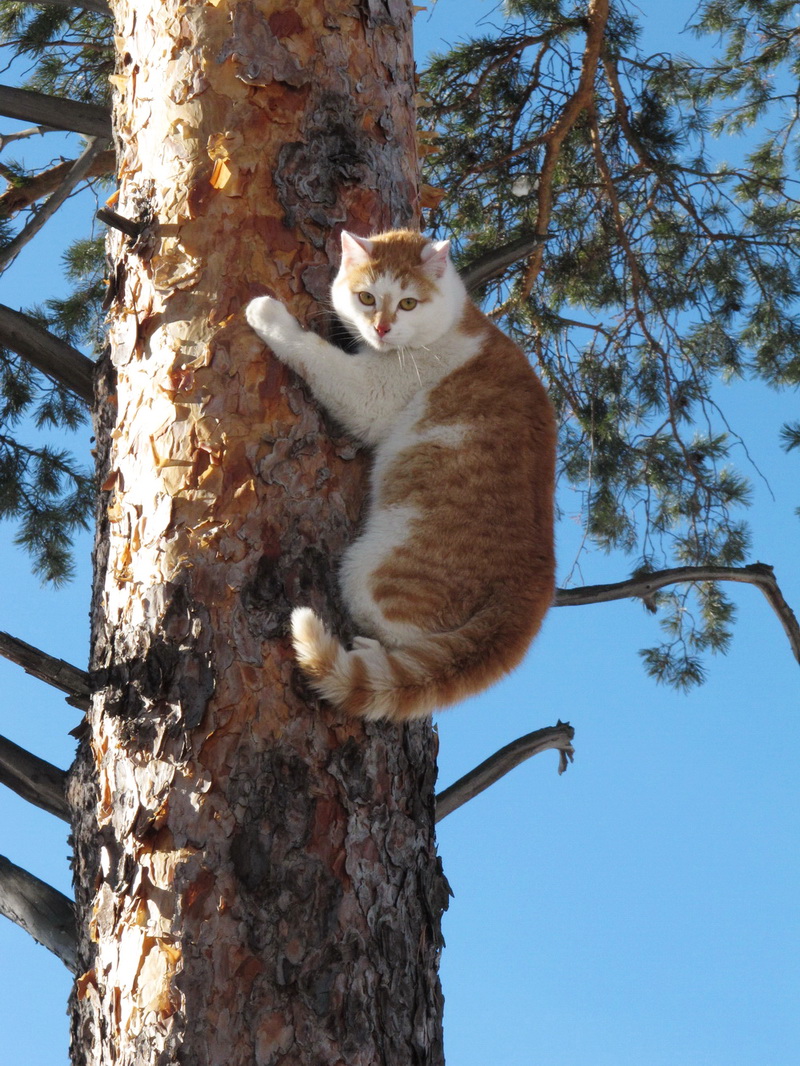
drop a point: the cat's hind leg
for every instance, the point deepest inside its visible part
(365, 643)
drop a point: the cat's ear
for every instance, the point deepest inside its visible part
(355, 250)
(435, 257)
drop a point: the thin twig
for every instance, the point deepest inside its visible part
(596, 19)
(37, 781)
(77, 172)
(496, 766)
(42, 911)
(645, 585)
(22, 135)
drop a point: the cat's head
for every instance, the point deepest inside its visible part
(398, 289)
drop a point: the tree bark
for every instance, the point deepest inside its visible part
(256, 878)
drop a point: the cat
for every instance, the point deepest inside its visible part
(454, 570)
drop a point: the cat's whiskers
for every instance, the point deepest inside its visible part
(430, 352)
(414, 361)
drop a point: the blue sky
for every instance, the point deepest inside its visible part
(641, 910)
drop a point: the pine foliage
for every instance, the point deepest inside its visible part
(663, 270)
(43, 488)
(69, 51)
(45, 491)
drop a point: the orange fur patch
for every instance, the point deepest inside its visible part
(475, 574)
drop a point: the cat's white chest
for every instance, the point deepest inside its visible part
(398, 434)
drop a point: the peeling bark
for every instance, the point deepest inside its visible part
(256, 878)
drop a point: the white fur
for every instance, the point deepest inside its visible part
(369, 392)
(379, 395)
(385, 531)
(417, 329)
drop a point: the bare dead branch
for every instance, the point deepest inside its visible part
(56, 112)
(642, 587)
(596, 19)
(76, 174)
(42, 911)
(56, 672)
(37, 781)
(489, 264)
(23, 135)
(48, 353)
(18, 197)
(496, 766)
(124, 225)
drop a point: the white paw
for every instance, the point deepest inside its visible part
(270, 319)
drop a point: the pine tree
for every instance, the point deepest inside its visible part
(255, 880)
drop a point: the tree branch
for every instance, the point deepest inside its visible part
(489, 264)
(22, 135)
(56, 672)
(48, 353)
(42, 911)
(17, 197)
(496, 766)
(76, 174)
(596, 19)
(98, 6)
(55, 112)
(37, 781)
(759, 574)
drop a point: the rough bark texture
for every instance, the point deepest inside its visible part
(256, 878)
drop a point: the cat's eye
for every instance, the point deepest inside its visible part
(367, 299)
(408, 303)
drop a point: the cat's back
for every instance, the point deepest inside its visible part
(493, 417)
(479, 480)
(494, 392)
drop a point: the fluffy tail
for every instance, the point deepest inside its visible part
(372, 681)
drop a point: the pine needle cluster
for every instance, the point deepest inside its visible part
(636, 266)
(661, 271)
(45, 490)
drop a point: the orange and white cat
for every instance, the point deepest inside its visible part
(454, 569)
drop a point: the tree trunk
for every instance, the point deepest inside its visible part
(256, 878)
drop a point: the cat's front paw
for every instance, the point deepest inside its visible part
(270, 319)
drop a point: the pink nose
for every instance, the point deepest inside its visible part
(382, 329)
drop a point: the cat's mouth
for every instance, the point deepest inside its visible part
(381, 344)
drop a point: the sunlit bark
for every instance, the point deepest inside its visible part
(256, 878)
